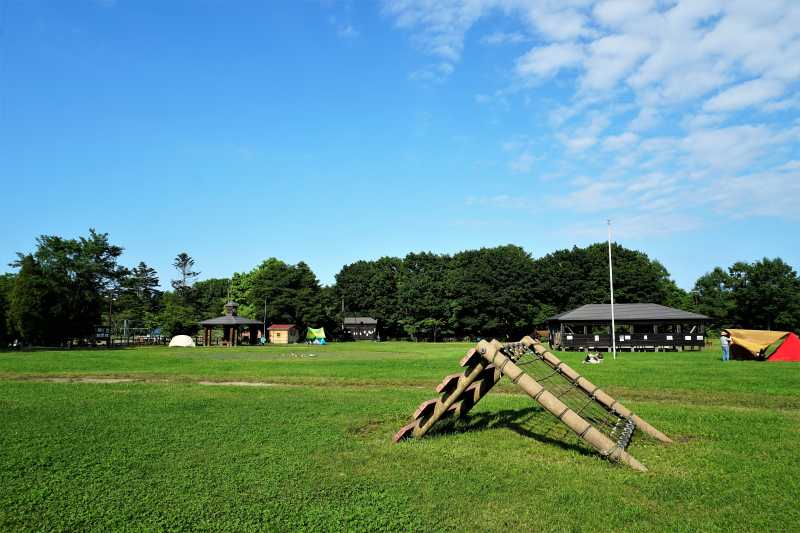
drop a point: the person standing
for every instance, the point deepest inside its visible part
(725, 344)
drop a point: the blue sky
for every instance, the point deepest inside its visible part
(333, 131)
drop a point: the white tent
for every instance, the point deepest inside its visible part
(183, 341)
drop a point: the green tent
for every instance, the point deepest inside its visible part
(315, 334)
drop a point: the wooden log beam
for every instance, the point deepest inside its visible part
(605, 446)
(592, 390)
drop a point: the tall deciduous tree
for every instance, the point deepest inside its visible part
(62, 288)
(370, 288)
(766, 294)
(567, 279)
(492, 292)
(6, 288)
(139, 297)
(292, 294)
(713, 297)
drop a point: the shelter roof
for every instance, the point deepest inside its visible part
(623, 312)
(358, 320)
(230, 320)
(281, 327)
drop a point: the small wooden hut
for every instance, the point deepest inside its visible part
(282, 334)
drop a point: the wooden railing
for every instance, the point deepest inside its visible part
(632, 340)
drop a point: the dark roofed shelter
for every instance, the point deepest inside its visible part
(361, 328)
(638, 327)
(232, 324)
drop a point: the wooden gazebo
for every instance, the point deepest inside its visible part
(232, 325)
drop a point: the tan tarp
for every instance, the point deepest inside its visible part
(752, 341)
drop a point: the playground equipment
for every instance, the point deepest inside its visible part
(593, 415)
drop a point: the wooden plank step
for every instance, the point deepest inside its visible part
(405, 431)
(425, 408)
(471, 358)
(449, 383)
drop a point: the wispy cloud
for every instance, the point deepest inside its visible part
(499, 38)
(671, 101)
(347, 31)
(504, 201)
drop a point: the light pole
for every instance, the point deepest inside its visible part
(611, 285)
(264, 332)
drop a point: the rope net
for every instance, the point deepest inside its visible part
(617, 428)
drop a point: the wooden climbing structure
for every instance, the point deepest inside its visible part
(596, 417)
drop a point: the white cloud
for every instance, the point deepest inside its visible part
(611, 58)
(707, 89)
(618, 142)
(501, 200)
(768, 193)
(793, 102)
(618, 13)
(522, 163)
(732, 148)
(556, 20)
(499, 37)
(790, 166)
(546, 61)
(586, 136)
(745, 95)
(635, 226)
(703, 121)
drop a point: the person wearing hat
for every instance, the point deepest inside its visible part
(725, 344)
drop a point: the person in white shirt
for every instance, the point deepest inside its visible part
(725, 344)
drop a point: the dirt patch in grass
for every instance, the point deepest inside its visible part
(83, 379)
(245, 384)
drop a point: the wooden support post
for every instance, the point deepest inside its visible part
(557, 408)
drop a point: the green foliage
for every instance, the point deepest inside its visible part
(67, 286)
(291, 292)
(176, 317)
(713, 297)
(7, 332)
(33, 302)
(566, 279)
(139, 298)
(208, 297)
(764, 294)
(492, 292)
(62, 287)
(184, 263)
(767, 295)
(370, 288)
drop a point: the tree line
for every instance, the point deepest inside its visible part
(66, 287)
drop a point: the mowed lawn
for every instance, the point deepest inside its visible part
(310, 448)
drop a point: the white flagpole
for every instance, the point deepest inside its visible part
(611, 284)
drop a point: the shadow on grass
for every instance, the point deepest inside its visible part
(531, 422)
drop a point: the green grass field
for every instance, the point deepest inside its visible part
(311, 448)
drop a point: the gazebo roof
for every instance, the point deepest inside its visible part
(229, 320)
